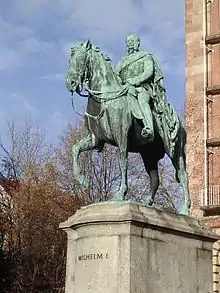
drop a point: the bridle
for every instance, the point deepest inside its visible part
(97, 95)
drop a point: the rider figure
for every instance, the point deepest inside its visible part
(137, 70)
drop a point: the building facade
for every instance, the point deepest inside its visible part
(203, 103)
(203, 114)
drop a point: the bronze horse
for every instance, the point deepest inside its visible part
(108, 119)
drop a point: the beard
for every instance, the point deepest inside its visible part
(132, 49)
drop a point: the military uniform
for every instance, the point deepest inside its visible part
(142, 71)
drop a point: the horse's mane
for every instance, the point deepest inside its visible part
(97, 49)
(106, 58)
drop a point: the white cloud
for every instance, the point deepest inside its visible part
(17, 42)
(58, 120)
(23, 105)
(32, 44)
(10, 31)
(50, 28)
(105, 22)
(9, 58)
(54, 76)
(27, 10)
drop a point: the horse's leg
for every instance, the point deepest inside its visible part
(87, 143)
(151, 166)
(183, 178)
(123, 162)
(154, 184)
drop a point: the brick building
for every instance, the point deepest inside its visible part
(203, 113)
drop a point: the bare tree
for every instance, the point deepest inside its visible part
(30, 213)
(29, 149)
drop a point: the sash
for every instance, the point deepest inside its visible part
(130, 59)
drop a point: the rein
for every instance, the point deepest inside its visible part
(74, 108)
(95, 95)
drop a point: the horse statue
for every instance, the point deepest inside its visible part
(109, 119)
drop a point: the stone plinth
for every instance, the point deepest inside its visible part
(129, 248)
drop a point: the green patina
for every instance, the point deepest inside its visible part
(127, 108)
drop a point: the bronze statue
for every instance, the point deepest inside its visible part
(127, 108)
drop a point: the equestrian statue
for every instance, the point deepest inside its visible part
(127, 108)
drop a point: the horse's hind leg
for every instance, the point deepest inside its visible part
(87, 143)
(154, 184)
(179, 163)
(183, 178)
(151, 166)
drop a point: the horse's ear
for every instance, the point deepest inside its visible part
(87, 44)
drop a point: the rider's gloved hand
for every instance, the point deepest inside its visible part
(131, 81)
(132, 90)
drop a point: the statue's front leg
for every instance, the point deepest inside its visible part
(123, 159)
(86, 144)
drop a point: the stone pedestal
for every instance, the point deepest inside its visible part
(128, 248)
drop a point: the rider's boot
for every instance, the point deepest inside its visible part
(148, 131)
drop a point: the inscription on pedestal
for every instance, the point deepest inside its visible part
(93, 256)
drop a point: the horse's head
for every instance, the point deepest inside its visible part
(77, 66)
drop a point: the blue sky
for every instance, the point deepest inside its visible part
(35, 39)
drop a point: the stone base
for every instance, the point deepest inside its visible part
(128, 248)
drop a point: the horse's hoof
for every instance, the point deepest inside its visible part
(83, 181)
(119, 196)
(184, 210)
(86, 184)
(149, 202)
(100, 148)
